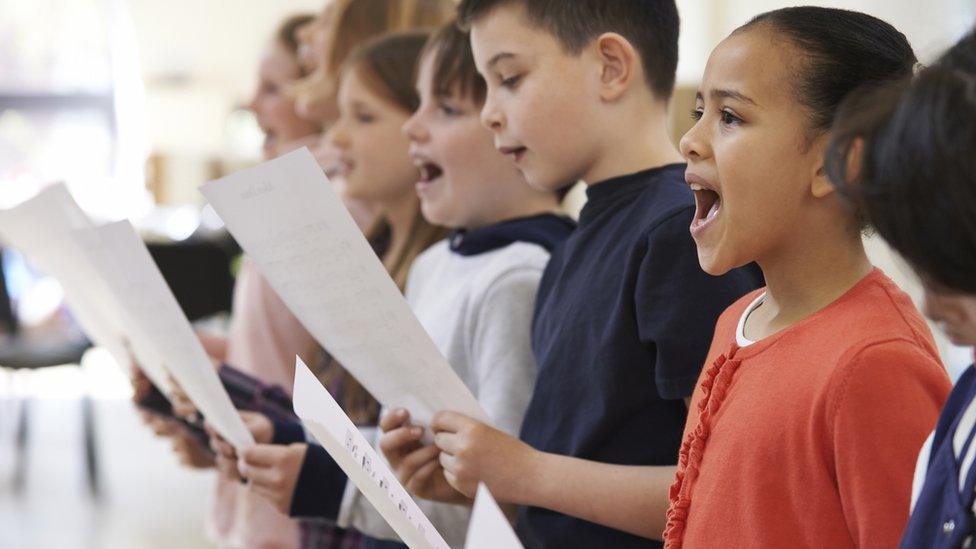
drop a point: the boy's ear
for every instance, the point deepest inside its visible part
(619, 65)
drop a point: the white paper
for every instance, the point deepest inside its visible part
(41, 229)
(286, 216)
(489, 527)
(324, 418)
(120, 299)
(152, 310)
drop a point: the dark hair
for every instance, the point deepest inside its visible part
(287, 35)
(388, 65)
(453, 63)
(905, 156)
(651, 26)
(841, 50)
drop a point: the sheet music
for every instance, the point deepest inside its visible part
(324, 418)
(42, 229)
(150, 307)
(286, 216)
(489, 527)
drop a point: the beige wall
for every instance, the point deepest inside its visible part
(199, 60)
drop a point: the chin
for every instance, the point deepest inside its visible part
(544, 182)
(713, 265)
(435, 216)
(960, 339)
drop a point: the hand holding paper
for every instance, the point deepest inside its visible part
(416, 465)
(288, 219)
(473, 452)
(329, 425)
(120, 298)
(151, 308)
(45, 229)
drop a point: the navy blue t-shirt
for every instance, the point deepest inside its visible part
(624, 319)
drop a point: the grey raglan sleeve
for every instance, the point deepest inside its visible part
(501, 347)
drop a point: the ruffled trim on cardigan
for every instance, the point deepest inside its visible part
(714, 385)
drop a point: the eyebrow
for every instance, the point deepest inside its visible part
(498, 57)
(726, 94)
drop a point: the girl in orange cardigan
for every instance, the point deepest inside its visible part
(819, 389)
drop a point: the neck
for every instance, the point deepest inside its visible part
(810, 275)
(400, 215)
(525, 205)
(643, 145)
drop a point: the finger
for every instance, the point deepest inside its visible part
(265, 477)
(184, 408)
(263, 455)
(398, 440)
(228, 467)
(410, 464)
(449, 443)
(163, 427)
(448, 462)
(209, 428)
(452, 479)
(223, 448)
(449, 421)
(423, 476)
(394, 419)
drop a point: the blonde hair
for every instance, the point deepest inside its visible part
(387, 65)
(356, 21)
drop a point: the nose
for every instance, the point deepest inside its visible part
(694, 144)
(252, 105)
(337, 137)
(414, 128)
(492, 116)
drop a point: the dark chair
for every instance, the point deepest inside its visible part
(199, 274)
(19, 351)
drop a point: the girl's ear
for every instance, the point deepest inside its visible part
(619, 65)
(820, 184)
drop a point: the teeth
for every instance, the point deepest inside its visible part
(696, 187)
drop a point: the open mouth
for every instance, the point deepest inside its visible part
(332, 170)
(515, 153)
(708, 204)
(430, 172)
(338, 168)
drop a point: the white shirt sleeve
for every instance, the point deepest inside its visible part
(921, 468)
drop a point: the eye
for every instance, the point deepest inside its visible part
(448, 110)
(511, 81)
(697, 114)
(365, 118)
(728, 118)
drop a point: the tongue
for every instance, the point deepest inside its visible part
(713, 211)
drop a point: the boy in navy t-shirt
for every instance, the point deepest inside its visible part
(624, 316)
